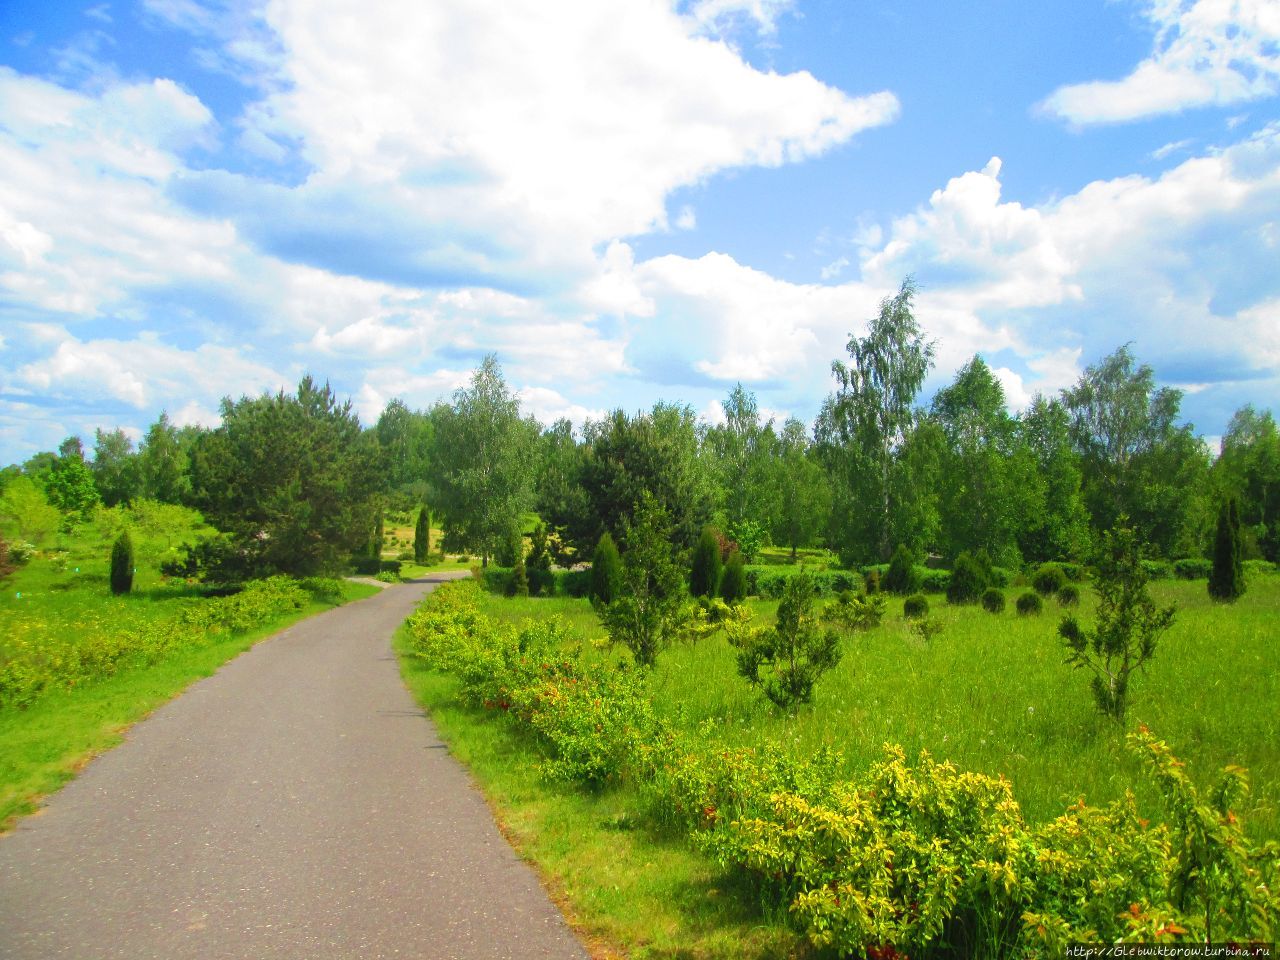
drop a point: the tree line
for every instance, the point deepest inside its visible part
(298, 484)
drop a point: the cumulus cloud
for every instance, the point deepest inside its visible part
(1206, 53)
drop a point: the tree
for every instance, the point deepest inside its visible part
(863, 426)
(1226, 580)
(704, 575)
(115, 467)
(483, 462)
(1128, 623)
(541, 580)
(404, 440)
(1249, 468)
(164, 462)
(519, 585)
(122, 564)
(901, 577)
(26, 513)
(291, 479)
(422, 536)
(787, 660)
(743, 450)
(800, 484)
(650, 610)
(69, 485)
(606, 572)
(1061, 529)
(1137, 462)
(561, 500)
(733, 582)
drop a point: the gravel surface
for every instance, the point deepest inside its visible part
(297, 804)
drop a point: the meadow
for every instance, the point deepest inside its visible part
(990, 693)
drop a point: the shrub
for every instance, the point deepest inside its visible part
(6, 566)
(21, 551)
(786, 660)
(1157, 569)
(122, 564)
(872, 580)
(1029, 604)
(519, 584)
(851, 612)
(993, 600)
(1226, 579)
(967, 580)
(538, 564)
(510, 546)
(1069, 595)
(901, 577)
(704, 572)
(915, 607)
(573, 583)
(1048, 580)
(1192, 568)
(933, 581)
(422, 536)
(606, 571)
(733, 582)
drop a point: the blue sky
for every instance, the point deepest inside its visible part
(626, 200)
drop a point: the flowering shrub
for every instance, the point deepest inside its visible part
(912, 858)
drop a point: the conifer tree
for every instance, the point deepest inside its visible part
(519, 578)
(122, 564)
(733, 583)
(704, 575)
(901, 577)
(422, 536)
(1226, 581)
(606, 571)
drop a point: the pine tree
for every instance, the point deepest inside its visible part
(422, 536)
(704, 576)
(733, 583)
(606, 571)
(519, 578)
(1226, 581)
(122, 564)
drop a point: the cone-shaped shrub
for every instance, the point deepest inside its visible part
(606, 571)
(733, 583)
(519, 584)
(704, 574)
(1030, 604)
(1226, 580)
(993, 600)
(915, 607)
(967, 580)
(901, 577)
(422, 536)
(122, 564)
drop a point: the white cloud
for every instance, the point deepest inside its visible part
(1171, 148)
(549, 405)
(719, 16)
(1206, 53)
(834, 268)
(687, 218)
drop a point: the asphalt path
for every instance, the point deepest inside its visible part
(297, 804)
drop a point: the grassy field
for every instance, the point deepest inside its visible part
(59, 604)
(991, 693)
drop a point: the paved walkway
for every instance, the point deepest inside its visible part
(295, 805)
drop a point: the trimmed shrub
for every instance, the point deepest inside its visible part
(967, 581)
(1157, 569)
(993, 600)
(606, 571)
(1069, 595)
(901, 577)
(704, 572)
(122, 564)
(1192, 568)
(733, 582)
(573, 583)
(915, 607)
(1030, 604)
(1049, 579)
(422, 536)
(1226, 579)
(933, 581)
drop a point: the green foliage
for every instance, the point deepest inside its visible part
(993, 600)
(851, 612)
(803, 493)
(422, 536)
(649, 612)
(606, 572)
(122, 564)
(25, 512)
(518, 585)
(541, 581)
(749, 536)
(1226, 579)
(901, 577)
(290, 479)
(704, 574)
(1048, 580)
(1128, 624)
(1069, 595)
(7, 564)
(733, 582)
(915, 607)
(968, 580)
(509, 546)
(1029, 604)
(786, 660)
(115, 467)
(1192, 568)
(70, 487)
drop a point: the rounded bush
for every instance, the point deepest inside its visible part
(733, 582)
(993, 600)
(915, 607)
(1030, 604)
(1069, 595)
(1049, 579)
(967, 580)
(901, 577)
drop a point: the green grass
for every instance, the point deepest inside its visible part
(993, 694)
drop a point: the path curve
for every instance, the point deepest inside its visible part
(297, 804)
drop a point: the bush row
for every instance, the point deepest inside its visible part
(36, 661)
(913, 857)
